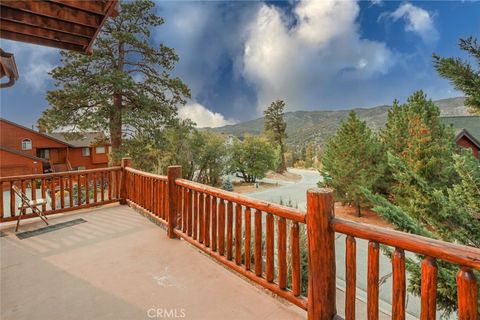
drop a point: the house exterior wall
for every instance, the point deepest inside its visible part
(93, 161)
(467, 143)
(15, 165)
(12, 136)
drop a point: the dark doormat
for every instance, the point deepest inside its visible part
(2, 234)
(54, 227)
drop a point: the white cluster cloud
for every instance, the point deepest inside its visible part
(417, 20)
(296, 59)
(202, 116)
(33, 62)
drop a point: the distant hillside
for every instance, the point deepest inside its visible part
(305, 126)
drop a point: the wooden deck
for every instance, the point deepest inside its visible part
(119, 265)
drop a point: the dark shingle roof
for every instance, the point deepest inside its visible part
(469, 123)
(87, 139)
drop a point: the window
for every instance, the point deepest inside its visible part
(26, 144)
(45, 154)
(100, 149)
(85, 151)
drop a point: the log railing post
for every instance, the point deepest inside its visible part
(173, 172)
(321, 255)
(126, 162)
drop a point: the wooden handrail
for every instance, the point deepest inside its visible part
(57, 174)
(450, 252)
(146, 174)
(276, 209)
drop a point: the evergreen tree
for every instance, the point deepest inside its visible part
(352, 160)
(451, 213)
(433, 191)
(123, 87)
(461, 73)
(415, 134)
(275, 127)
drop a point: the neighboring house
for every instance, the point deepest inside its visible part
(467, 131)
(26, 151)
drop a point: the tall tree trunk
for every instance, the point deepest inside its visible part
(116, 112)
(282, 167)
(358, 210)
(116, 128)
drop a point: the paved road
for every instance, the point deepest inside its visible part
(296, 192)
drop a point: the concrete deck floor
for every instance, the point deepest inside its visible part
(119, 265)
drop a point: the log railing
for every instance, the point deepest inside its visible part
(261, 241)
(64, 191)
(467, 258)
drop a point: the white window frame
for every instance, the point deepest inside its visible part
(102, 148)
(86, 151)
(26, 144)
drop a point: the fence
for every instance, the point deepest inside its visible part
(250, 237)
(65, 191)
(262, 240)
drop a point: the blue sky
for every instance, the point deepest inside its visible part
(239, 56)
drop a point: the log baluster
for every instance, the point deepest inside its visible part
(52, 193)
(221, 227)
(295, 251)
(208, 204)
(238, 234)
(185, 210)
(87, 188)
(269, 265)
(33, 189)
(62, 192)
(102, 187)
(190, 212)
(12, 200)
(282, 252)
(372, 280)
(174, 172)
(229, 229)
(248, 237)
(398, 288)
(70, 191)
(95, 191)
(201, 219)
(350, 277)
(467, 294)
(257, 253)
(195, 215)
(109, 186)
(214, 223)
(44, 193)
(429, 289)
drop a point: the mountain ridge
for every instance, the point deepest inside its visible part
(317, 126)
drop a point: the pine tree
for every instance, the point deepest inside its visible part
(123, 87)
(415, 134)
(352, 160)
(461, 74)
(275, 126)
(433, 191)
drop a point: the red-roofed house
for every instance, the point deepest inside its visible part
(26, 151)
